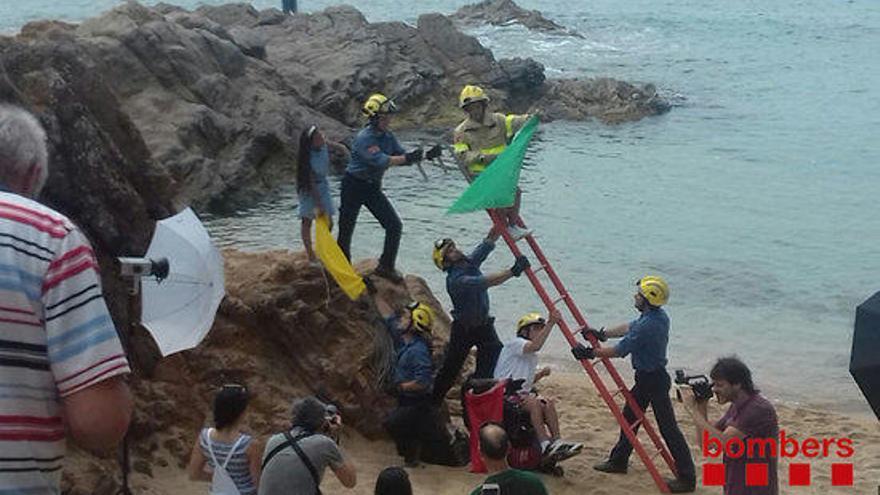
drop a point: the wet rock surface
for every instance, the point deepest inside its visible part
(507, 12)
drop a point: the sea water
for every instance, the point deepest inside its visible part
(756, 196)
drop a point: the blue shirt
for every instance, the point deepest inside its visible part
(646, 340)
(468, 289)
(371, 153)
(413, 360)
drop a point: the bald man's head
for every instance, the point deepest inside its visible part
(493, 441)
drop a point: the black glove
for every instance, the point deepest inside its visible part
(599, 334)
(520, 265)
(414, 156)
(434, 152)
(581, 351)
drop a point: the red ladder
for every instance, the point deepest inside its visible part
(589, 367)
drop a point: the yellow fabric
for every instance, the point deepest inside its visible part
(508, 126)
(460, 147)
(335, 262)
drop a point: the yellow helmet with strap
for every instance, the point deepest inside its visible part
(422, 317)
(378, 104)
(654, 289)
(439, 253)
(528, 320)
(471, 94)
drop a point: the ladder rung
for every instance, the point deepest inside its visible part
(635, 424)
(617, 392)
(539, 269)
(563, 297)
(659, 452)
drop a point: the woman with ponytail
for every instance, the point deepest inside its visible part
(312, 167)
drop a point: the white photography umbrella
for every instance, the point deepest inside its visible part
(179, 310)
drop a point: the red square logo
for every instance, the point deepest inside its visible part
(713, 474)
(842, 474)
(799, 475)
(756, 474)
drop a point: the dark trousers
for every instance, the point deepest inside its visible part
(653, 388)
(356, 193)
(410, 425)
(461, 340)
(288, 6)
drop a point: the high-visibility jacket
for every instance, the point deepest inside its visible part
(475, 144)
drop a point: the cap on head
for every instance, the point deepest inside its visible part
(654, 289)
(471, 94)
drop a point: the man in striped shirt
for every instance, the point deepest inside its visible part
(61, 362)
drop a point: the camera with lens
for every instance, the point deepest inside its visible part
(144, 267)
(331, 422)
(700, 384)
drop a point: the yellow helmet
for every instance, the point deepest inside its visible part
(422, 316)
(471, 94)
(529, 319)
(439, 254)
(378, 104)
(654, 289)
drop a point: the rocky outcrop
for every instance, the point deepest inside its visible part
(284, 331)
(214, 98)
(506, 12)
(606, 99)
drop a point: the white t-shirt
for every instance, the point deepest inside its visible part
(516, 364)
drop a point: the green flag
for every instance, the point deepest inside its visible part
(496, 186)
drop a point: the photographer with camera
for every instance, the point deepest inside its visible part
(750, 416)
(294, 461)
(646, 339)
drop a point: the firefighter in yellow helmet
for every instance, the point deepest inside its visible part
(646, 339)
(412, 375)
(374, 150)
(472, 321)
(481, 137)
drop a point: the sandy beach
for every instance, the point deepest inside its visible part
(585, 419)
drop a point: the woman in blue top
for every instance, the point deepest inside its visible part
(225, 444)
(312, 167)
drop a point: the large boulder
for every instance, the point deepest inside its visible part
(507, 12)
(285, 331)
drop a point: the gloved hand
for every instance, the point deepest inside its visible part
(520, 265)
(434, 152)
(581, 351)
(599, 334)
(414, 156)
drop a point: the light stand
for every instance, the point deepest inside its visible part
(134, 270)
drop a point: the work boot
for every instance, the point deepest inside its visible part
(389, 274)
(681, 485)
(611, 467)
